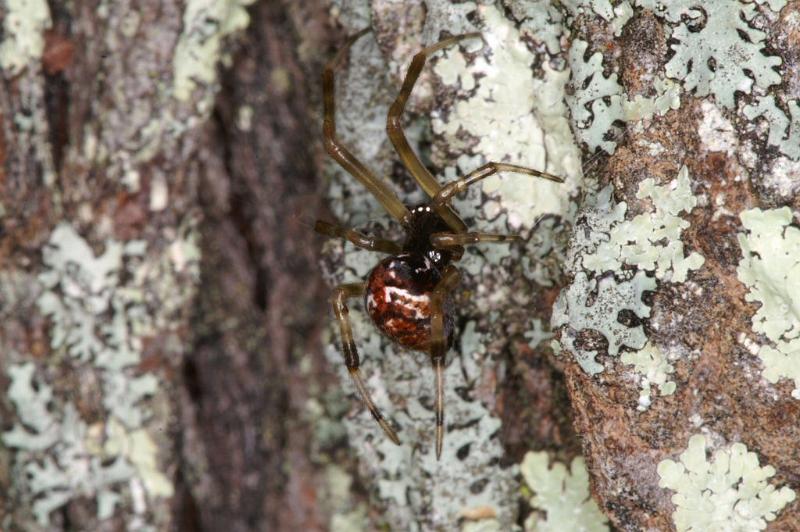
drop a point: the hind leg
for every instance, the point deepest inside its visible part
(340, 294)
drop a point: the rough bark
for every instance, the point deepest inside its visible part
(231, 170)
(167, 357)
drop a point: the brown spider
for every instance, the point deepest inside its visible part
(408, 294)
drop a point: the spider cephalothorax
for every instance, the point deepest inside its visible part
(408, 295)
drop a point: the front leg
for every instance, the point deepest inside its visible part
(450, 240)
(358, 239)
(446, 193)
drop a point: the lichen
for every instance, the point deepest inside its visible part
(205, 24)
(32, 410)
(24, 22)
(717, 50)
(408, 477)
(538, 333)
(78, 291)
(344, 516)
(715, 131)
(650, 241)
(100, 308)
(601, 314)
(730, 492)
(770, 268)
(540, 21)
(53, 458)
(508, 115)
(784, 131)
(597, 100)
(563, 495)
(667, 96)
(653, 369)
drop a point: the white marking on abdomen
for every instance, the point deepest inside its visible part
(417, 302)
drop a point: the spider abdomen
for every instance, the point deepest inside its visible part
(398, 299)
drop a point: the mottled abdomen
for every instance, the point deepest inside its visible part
(398, 299)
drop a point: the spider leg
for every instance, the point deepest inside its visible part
(438, 345)
(447, 192)
(394, 129)
(340, 153)
(340, 294)
(359, 239)
(448, 240)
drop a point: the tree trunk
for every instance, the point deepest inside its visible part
(168, 359)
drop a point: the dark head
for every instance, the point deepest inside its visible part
(423, 223)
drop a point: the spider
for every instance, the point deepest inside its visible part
(408, 295)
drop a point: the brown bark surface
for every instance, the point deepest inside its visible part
(253, 423)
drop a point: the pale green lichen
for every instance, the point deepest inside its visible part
(345, 516)
(205, 24)
(784, 131)
(100, 310)
(604, 242)
(599, 7)
(730, 492)
(616, 15)
(24, 22)
(138, 447)
(718, 51)
(538, 333)
(602, 314)
(54, 458)
(667, 96)
(540, 21)
(770, 268)
(409, 477)
(513, 117)
(562, 495)
(650, 241)
(653, 369)
(32, 409)
(775, 5)
(597, 100)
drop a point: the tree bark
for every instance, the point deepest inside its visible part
(168, 360)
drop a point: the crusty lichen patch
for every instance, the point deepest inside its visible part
(55, 460)
(770, 268)
(651, 240)
(504, 113)
(602, 244)
(577, 314)
(653, 369)
(101, 307)
(205, 24)
(718, 51)
(605, 244)
(24, 22)
(409, 477)
(562, 495)
(729, 492)
(784, 131)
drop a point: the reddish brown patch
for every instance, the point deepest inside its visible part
(130, 215)
(58, 52)
(398, 300)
